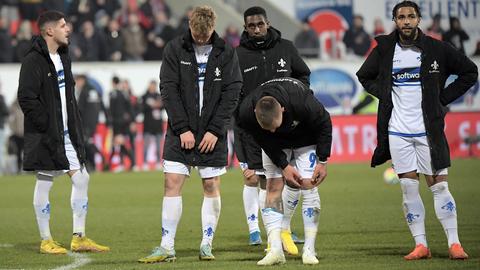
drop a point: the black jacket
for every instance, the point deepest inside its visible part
(180, 93)
(121, 112)
(152, 113)
(305, 120)
(90, 105)
(439, 60)
(274, 58)
(39, 98)
(261, 61)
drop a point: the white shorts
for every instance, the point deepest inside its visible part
(180, 168)
(412, 154)
(72, 160)
(244, 166)
(303, 159)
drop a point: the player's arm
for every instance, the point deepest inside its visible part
(458, 64)
(169, 88)
(300, 70)
(368, 73)
(28, 95)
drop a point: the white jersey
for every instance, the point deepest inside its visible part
(407, 114)
(61, 85)
(202, 53)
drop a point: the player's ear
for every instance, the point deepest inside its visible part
(282, 109)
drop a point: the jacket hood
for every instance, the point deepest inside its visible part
(273, 36)
(187, 41)
(40, 45)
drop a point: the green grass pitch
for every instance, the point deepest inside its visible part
(361, 223)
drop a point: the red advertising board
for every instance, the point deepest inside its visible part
(354, 137)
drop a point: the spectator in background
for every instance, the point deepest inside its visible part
(152, 7)
(109, 6)
(90, 105)
(81, 11)
(3, 118)
(356, 39)
(22, 41)
(121, 114)
(456, 35)
(135, 111)
(29, 9)
(130, 7)
(113, 41)
(231, 36)
(307, 42)
(91, 43)
(182, 27)
(435, 29)
(152, 106)
(6, 48)
(161, 33)
(16, 140)
(133, 39)
(74, 50)
(378, 28)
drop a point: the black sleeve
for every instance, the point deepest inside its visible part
(170, 90)
(29, 86)
(362, 104)
(231, 85)
(300, 70)
(368, 73)
(467, 71)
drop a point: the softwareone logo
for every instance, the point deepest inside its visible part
(407, 76)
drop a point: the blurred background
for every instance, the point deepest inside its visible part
(117, 47)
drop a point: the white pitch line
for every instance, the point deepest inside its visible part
(6, 245)
(79, 260)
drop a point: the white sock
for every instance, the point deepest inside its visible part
(41, 205)
(273, 224)
(210, 213)
(290, 198)
(171, 214)
(414, 210)
(446, 211)
(79, 201)
(311, 214)
(250, 203)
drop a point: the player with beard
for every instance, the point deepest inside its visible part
(264, 55)
(407, 72)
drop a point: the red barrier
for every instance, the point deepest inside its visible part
(354, 137)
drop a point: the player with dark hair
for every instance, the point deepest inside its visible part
(54, 142)
(407, 72)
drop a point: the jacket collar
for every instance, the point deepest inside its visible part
(273, 36)
(40, 45)
(386, 42)
(217, 42)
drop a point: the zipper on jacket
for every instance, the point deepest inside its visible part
(265, 66)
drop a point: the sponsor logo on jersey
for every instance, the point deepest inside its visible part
(406, 76)
(250, 69)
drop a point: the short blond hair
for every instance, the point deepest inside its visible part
(267, 110)
(203, 19)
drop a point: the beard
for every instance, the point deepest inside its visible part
(409, 37)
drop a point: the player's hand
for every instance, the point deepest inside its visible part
(248, 173)
(208, 143)
(319, 174)
(292, 176)
(187, 140)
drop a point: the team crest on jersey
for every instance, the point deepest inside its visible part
(282, 63)
(434, 67)
(217, 74)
